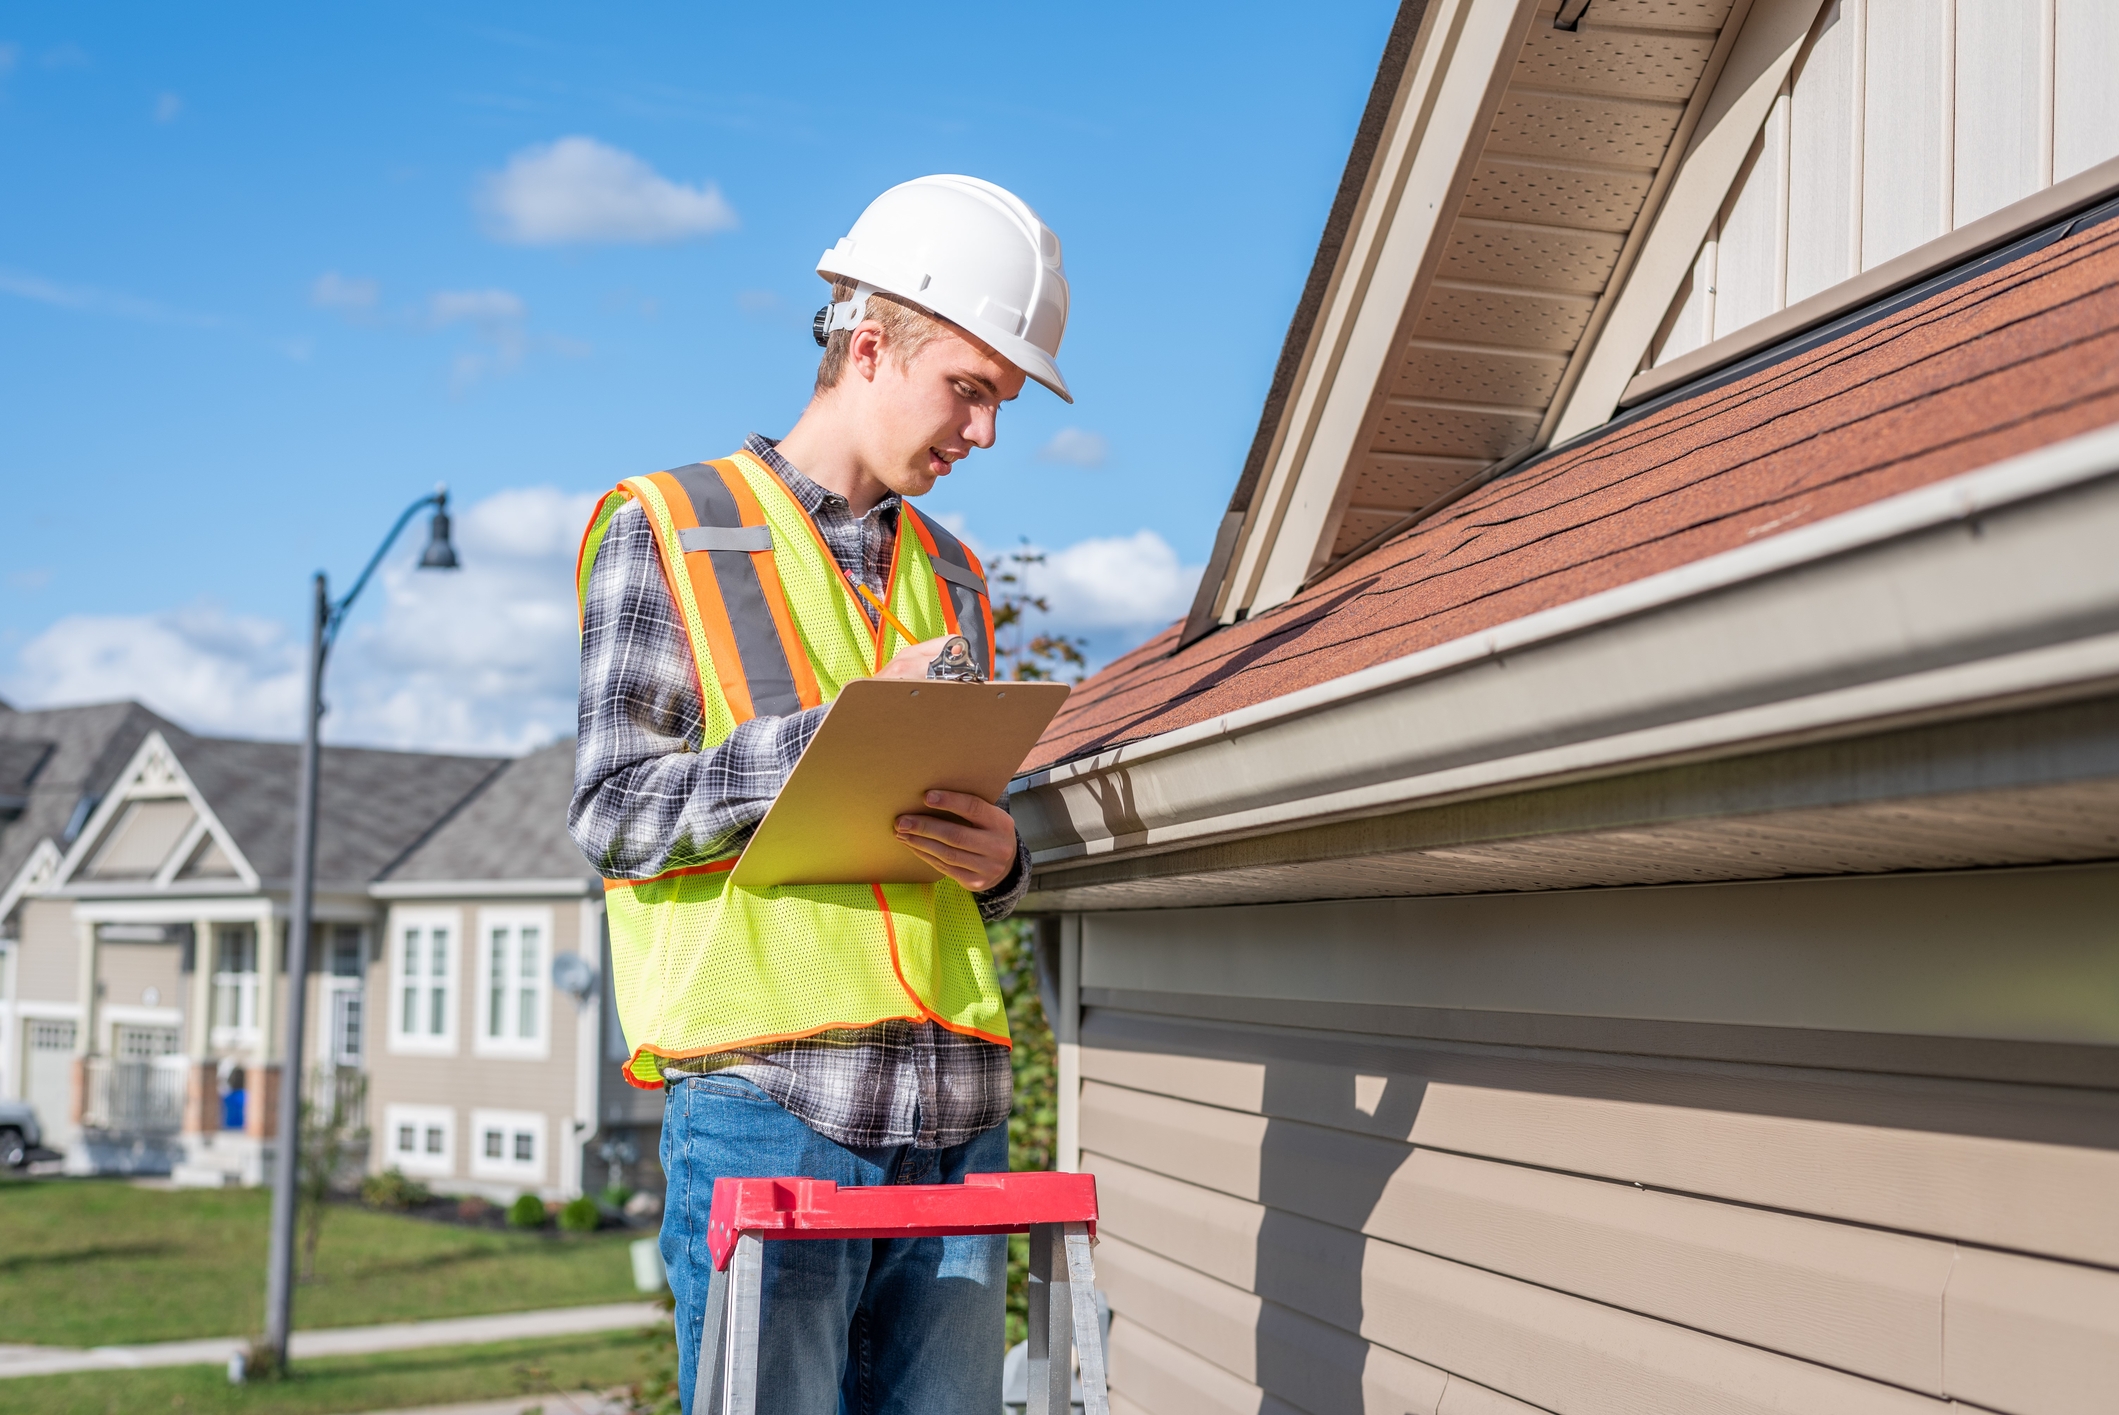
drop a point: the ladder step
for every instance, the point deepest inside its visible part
(819, 1208)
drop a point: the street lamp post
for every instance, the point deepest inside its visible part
(328, 616)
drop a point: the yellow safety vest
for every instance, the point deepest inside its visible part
(698, 965)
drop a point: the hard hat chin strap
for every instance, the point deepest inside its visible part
(842, 314)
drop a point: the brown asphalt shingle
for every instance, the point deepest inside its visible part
(2014, 359)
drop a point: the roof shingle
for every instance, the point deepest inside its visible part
(2022, 356)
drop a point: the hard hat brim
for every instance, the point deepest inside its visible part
(1035, 363)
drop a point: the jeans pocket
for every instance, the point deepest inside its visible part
(732, 1087)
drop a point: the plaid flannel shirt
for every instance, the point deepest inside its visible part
(645, 802)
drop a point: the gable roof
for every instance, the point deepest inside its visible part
(53, 759)
(372, 804)
(1524, 167)
(513, 828)
(2019, 357)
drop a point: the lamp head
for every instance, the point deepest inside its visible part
(440, 553)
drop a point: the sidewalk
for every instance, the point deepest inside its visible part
(334, 1341)
(585, 1402)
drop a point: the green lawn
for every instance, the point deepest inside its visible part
(100, 1262)
(534, 1370)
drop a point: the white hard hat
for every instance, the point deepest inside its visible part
(969, 251)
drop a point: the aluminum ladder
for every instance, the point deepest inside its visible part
(1058, 1211)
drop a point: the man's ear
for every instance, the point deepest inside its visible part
(864, 349)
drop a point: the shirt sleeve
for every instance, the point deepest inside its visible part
(645, 800)
(999, 902)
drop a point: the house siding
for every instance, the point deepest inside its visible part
(127, 971)
(466, 1081)
(1370, 1211)
(48, 960)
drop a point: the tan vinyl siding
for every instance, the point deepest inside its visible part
(465, 1080)
(1906, 119)
(48, 964)
(128, 970)
(1290, 1211)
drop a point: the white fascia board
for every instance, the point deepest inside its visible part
(482, 888)
(113, 801)
(1949, 594)
(41, 867)
(154, 748)
(1765, 50)
(1457, 70)
(198, 909)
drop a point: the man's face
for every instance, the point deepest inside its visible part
(922, 417)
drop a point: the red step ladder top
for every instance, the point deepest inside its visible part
(819, 1208)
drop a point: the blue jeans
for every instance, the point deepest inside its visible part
(896, 1326)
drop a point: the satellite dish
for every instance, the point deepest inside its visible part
(573, 974)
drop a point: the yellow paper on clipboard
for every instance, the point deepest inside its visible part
(883, 745)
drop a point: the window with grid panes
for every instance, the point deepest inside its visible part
(513, 962)
(423, 982)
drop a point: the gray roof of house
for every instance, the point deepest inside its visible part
(372, 805)
(400, 815)
(50, 759)
(515, 827)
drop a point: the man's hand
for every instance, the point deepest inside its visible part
(912, 660)
(977, 852)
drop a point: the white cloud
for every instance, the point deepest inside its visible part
(478, 659)
(484, 308)
(333, 291)
(482, 658)
(168, 107)
(200, 665)
(1075, 447)
(87, 299)
(580, 191)
(497, 317)
(497, 321)
(1115, 582)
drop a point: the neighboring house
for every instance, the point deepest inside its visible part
(484, 1075)
(143, 999)
(55, 768)
(1608, 904)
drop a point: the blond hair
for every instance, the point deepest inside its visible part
(906, 330)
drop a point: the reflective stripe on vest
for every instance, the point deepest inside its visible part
(699, 966)
(731, 536)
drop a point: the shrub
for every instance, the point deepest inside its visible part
(579, 1215)
(526, 1212)
(392, 1190)
(614, 1196)
(472, 1209)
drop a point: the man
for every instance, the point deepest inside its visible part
(847, 1032)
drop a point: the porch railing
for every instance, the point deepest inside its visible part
(339, 1093)
(136, 1097)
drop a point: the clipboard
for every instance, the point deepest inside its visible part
(883, 745)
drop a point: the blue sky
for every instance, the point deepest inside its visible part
(265, 276)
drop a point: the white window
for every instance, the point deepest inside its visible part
(514, 968)
(235, 985)
(419, 1139)
(422, 1004)
(133, 1043)
(508, 1144)
(342, 991)
(344, 1038)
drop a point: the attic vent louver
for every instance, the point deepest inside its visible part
(1570, 16)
